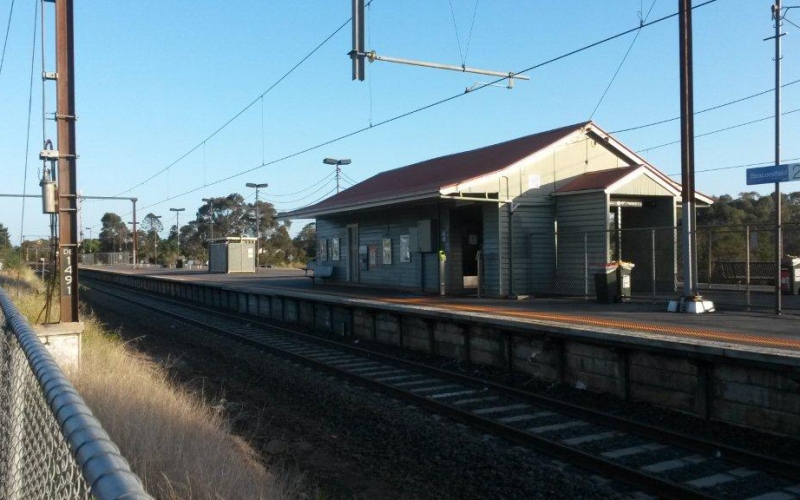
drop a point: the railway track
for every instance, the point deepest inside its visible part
(657, 461)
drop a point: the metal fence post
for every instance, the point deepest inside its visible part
(653, 260)
(747, 266)
(586, 265)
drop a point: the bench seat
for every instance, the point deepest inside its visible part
(318, 272)
(737, 271)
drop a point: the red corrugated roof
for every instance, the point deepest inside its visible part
(432, 175)
(595, 180)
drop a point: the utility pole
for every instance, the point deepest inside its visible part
(178, 225)
(210, 202)
(776, 15)
(67, 161)
(258, 219)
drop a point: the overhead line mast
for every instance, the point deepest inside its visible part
(67, 161)
(359, 53)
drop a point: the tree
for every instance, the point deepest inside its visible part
(306, 242)
(5, 241)
(151, 224)
(114, 233)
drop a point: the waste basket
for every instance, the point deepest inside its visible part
(790, 275)
(624, 282)
(179, 264)
(605, 282)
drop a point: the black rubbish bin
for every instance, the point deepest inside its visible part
(179, 264)
(605, 284)
(790, 275)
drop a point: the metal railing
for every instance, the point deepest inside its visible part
(51, 446)
(562, 262)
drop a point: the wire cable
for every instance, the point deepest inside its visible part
(30, 113)
(471, 26)
(712, 108)
(307, 196)
(315, 201)
(624, 58)
(790, 22)
(738, 125)
(455, 29)
(328, 177)
(237, 115)
(5, 41)
(735, 167)
(423, 108)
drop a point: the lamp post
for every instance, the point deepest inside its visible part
(338, 163)
(155, 242)
(90, 232)
(258, 219)
(178, 225)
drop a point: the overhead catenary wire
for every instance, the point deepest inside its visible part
(28, 128)
(423, 108)
(242, 111)
(624, 58)
(712, 108)
(712, 132)
(736, 167)
(471, 26)
(5, 40)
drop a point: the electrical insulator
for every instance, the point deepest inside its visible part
(48, 194)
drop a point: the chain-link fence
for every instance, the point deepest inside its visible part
(106, 259)
(736, 265)
(51, 447)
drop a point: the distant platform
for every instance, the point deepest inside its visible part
(642, 317)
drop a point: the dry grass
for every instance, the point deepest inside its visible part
(179, 446)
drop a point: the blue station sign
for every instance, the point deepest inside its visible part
(777, 173)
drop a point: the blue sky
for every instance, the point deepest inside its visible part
(155, 79)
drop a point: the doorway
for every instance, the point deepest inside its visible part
(467, 232)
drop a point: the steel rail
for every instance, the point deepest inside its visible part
(626, 474)
(729, 453)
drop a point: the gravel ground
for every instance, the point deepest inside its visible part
(351, 443)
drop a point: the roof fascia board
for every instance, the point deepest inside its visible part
(304, 214)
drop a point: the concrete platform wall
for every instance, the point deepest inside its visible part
(758, 391)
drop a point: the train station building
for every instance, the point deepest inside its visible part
(526, 216)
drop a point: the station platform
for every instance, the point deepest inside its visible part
(731, 328)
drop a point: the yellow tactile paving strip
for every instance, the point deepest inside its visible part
(678, 331)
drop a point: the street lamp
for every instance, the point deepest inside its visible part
(338, 163)
(178, 225)
(90, 232)
(210, 202)
(258, 219)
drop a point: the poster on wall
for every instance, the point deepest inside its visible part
(362, 257)
(387, 251)
(373, 256)
(323, 249)
(405, 248)
(334, 248)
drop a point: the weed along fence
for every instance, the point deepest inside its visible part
(51, 447)
(747, 386)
